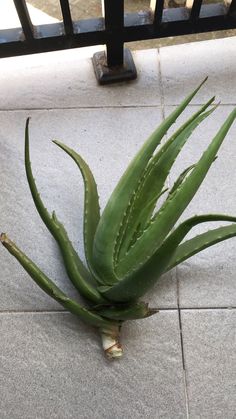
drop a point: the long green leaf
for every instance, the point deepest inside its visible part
(117, 208)
(76, 270)
(50, 288)
(91, 203)
(138, 310)
(195, 245)
(158, 170)
(173, 207)
(137, 284)
(180, 180)
(137, 233)
(132, 227)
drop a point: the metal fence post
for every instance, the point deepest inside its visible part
(68, 24)
(25, 20)
(113, 30)
(117, 63)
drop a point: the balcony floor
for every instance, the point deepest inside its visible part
(180, 363)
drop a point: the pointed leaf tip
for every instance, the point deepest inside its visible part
(204, 80)
(27, 121)
(91, 203)
(3, 237)
(75, 268)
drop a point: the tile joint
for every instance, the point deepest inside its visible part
(182, 345)
(161, 309)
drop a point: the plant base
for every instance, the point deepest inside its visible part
(111, 343)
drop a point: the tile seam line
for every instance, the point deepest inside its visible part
(187, 406)
(60, 311)
(68, 312)
(186, 397)
(207, 308)
(163, 107)
(161, 85)
(107, 107)
(15, 313)
(81, 108)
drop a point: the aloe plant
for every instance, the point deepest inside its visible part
(131, 244)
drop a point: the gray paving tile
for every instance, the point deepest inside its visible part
(66, 79)
(164, 292)
(52, 367)
(209, 338)
(186, 65)
(107, 140)
(208, 279)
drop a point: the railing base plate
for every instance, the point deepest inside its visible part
(106, 75)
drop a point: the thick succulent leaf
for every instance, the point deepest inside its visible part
(91, 203)
(78, 274)
(137, 284)
(157, 173)
(118, 207)
(180, 179)
(197, 244)
(137, 232)
(138, 310)
(174, 206)
(51, 288)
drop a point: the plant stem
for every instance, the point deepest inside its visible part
(111, 343)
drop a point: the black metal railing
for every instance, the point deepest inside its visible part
(113, 30)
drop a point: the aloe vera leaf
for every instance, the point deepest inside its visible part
(173, 207)
(76, 271)
(180, 179)
(137, 233)
(117, 208)
(138, 310)
(137, 283)
(132, 226)
(91, 203)
(160, 166)
(197, 244)
(50, 288)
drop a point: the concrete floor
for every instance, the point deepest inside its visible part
(51, 364)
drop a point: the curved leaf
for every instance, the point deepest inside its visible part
(91, 203)
(138, 310)
(202, 241)
(50, 288)
(137, 232)
(137, 283)
(76, 271)
(180, 179)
